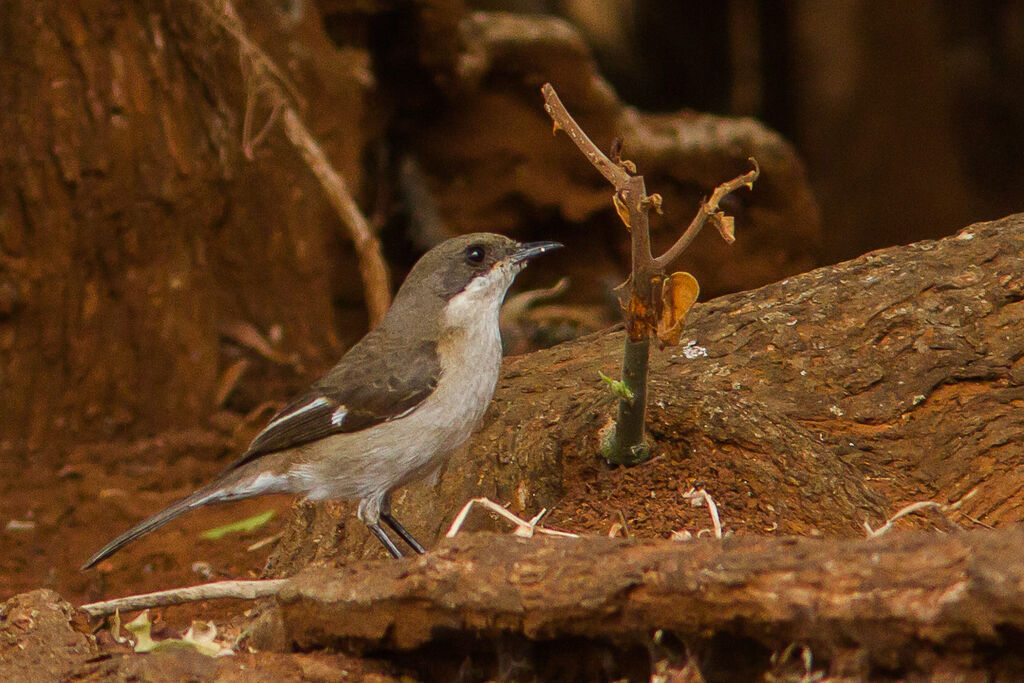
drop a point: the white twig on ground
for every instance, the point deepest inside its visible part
(263, 542)
(239, 590)
(523, 527)
(916, 507)
(698, 497)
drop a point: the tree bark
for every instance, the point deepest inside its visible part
(902, 605)
(133, 228)
(805, 407)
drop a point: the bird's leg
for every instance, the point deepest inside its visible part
(403, 533)
(385, 539)
(370, 512)
(385, 514)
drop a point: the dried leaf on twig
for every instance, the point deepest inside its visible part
(726, 225)
(622, 210)
(679, 291)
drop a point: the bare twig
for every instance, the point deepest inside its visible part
(625, 525)
(699, 497)
(975, 520)
(250, 140)
(515, 308)
(916, 507)
(223, 13)
(615, 174)
(523, 527)
(630, 192)
(372, 268)
(245, 334)
(657, 302)
(265, 79)
(237, 590)
(228, 380)
(707, 210)
(625, 444)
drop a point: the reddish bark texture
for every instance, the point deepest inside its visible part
(905, 605)
(133, 227)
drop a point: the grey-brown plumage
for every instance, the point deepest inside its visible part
(401, 399)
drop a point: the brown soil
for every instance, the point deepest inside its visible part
(78, 504)
(79, 501)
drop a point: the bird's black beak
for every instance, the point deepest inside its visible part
(527, 250)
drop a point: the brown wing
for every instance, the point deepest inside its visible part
(371, 384)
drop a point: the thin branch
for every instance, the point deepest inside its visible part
(237, 590)
(246, 335)
(634, 196)
(227, 18)
(629, 189)
(265, 78)
(624, 445)
(251, 141)
(707, 209)
(558, 113)
(372, 268)
(525, 528)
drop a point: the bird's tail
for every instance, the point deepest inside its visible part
(203, 496)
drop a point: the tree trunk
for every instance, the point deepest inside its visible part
(133, 228)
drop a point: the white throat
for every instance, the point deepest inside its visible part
(480, 302)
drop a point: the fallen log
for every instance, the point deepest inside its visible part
(903, 604)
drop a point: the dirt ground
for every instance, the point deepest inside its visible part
(58, 508)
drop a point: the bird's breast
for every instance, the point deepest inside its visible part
(408, 448)
(470, 362)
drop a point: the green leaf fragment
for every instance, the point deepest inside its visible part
(249, 524)
(618, 387)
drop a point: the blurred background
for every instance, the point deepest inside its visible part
(909, 116)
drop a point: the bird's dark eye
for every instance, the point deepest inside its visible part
(475, 254)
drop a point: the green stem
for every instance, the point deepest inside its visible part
(626, 445)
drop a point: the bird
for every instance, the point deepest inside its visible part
(395, 406)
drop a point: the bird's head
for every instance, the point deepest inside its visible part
(468, 275)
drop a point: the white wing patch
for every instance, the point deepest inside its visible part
(404, 413)
(320, 402)
(339, 415)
